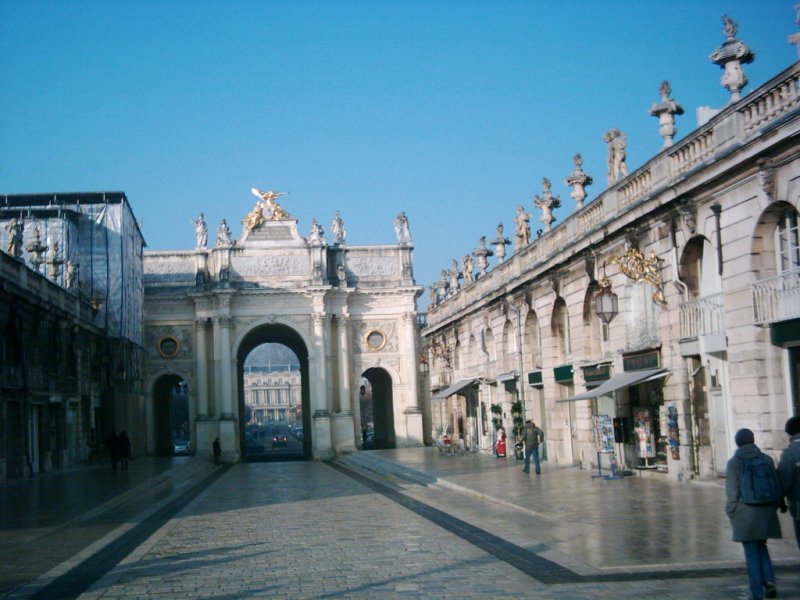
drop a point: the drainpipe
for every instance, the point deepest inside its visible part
(521, 388)
(717, 210)
(695, 464)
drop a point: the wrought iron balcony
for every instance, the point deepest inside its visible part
(777, 298)
(703, 316)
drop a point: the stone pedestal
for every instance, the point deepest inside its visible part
(413, 427)
(322, 435)
(343, 433)
(206, 431)
(228, 440)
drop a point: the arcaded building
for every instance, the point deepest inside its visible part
(657, 318)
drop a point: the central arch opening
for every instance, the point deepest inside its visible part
(272, 372)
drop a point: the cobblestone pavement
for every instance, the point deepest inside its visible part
(311, 530)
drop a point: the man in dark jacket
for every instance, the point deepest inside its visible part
(753, 524)
(533, 436)
(789, 472)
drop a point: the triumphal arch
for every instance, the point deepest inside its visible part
(347, 312)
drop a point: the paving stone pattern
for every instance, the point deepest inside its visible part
(306, 530)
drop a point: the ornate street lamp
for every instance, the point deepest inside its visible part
(424, 367)
(606, 304)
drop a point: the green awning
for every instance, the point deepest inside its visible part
(453, 389)
(619, 382)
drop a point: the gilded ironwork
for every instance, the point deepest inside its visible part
(440, 349)
(643, 270)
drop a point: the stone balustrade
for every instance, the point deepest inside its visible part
(635, 187)
(773, 102)
(691, 152)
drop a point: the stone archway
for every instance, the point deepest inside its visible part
(275, 333)
(382, 407)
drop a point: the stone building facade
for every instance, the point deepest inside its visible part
(345, 311)
(273, 394)
(701, 250)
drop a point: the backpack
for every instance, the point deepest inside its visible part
(759, 482)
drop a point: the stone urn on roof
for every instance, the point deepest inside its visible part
(730, 57)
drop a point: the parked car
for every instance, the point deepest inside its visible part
(279, 441)
(180, 446)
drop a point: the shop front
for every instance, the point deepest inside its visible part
(631, 405)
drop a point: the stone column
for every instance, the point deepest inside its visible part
(344, 364)
(217, 366)
(201, 370)
(226, 377)
(343, 422)
(412, 411)
(321, 414)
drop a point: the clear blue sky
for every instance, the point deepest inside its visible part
(450, 111)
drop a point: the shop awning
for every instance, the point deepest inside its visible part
(619, 382)
(453, 389)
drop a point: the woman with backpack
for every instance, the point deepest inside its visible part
(753, 496)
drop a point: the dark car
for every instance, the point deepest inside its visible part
(279, 441)
(252, 446)
(180, 447)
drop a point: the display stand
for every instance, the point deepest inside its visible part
(614, 473)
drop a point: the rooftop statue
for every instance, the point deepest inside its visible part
(523, 229)
(339, 232)
(617, 168)
(467, 267)
(200, 232)
(224, 235)
(316, 233)
(266, 209)
(37, 249)
(14, 229)
(401, 229)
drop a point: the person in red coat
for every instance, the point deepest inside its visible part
(500, 444)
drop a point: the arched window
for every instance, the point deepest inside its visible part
(787, 244)
(532, 342)
(489, 345)
(560, 328)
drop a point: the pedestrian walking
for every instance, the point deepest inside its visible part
(112, 447)
(217, 450)
(789, 472)
(753, 495)
(124, 445)
(532, 437)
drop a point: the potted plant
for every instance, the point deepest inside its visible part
(518, 422)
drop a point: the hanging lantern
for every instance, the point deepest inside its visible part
(606, 304)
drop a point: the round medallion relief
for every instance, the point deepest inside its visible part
(168, 346)
(375, 340)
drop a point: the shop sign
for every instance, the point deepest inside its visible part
(597, 373)
(643, 360)
(535, 378)
(563, 374)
